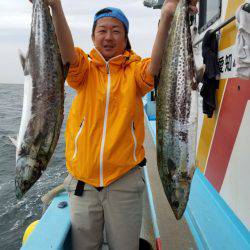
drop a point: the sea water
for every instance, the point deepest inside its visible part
(16, 215)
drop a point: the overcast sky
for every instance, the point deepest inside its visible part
(15, 19)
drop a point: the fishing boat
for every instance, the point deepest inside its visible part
(218, 212)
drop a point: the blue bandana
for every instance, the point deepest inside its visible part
(113, 12)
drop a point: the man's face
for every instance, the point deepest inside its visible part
(109, 37)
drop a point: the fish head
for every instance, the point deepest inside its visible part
(28, 170)
(180, 196)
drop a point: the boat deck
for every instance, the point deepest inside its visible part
(174, 234)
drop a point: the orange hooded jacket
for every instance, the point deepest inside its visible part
(105, 127)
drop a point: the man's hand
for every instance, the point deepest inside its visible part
(169, 7)
(192, 7)
(51, 3)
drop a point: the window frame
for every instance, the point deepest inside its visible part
(203, 11)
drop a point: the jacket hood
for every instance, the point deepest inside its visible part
(115, 63)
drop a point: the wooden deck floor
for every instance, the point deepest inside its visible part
(175, 235)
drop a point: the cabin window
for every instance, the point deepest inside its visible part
(209, 12)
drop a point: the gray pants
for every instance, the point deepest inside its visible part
(117, 207)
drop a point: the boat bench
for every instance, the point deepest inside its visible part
(52, 231)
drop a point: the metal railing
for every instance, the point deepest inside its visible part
(222, 25)
(245, 7)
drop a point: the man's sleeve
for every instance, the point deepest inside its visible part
(144, 80)
(78, 70)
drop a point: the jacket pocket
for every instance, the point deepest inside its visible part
(134, 138)
(76, 139)
(141, 179)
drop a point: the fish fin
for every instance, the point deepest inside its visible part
(13, 140)
(23, 62)
(66, 70)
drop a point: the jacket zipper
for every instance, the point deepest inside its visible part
(77, 136)
(105, 125)
(135, 142)
(105, 117)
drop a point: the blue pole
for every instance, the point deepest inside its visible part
(152, 210)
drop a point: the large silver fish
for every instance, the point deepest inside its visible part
(176, 113)
(43, 100)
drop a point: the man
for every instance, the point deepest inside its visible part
(105, 127)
